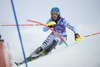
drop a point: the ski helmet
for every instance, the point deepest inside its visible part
(55, 9)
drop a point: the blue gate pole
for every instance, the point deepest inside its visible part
(19, 33)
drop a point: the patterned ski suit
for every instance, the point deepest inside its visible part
(60, 27)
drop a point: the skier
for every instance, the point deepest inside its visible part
(58, 24)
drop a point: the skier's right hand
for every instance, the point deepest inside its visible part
(51, 24)
(77, 36)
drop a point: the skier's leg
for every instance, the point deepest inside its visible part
(54, 43)
(33, 56)
(51, 46)
(44, 45)
(36, 52)
(49, 43)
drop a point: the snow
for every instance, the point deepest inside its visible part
(79, 55)
(84, 14)
(83, 54)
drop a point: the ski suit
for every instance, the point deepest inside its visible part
(60, 27)
(52, 40)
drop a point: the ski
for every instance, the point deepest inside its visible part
(29, 59)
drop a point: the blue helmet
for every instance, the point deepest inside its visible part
(55, 9)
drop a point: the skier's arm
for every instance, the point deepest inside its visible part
(70, 26)
(45, 29)
(49, 24)
(73, 29)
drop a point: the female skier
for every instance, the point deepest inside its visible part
(58, 24)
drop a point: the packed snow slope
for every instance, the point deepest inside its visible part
(84, 14)
(83, 54)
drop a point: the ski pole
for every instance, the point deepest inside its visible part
(81, 37)
(92, 34)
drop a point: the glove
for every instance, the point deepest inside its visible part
(51, 24)
(77, 36)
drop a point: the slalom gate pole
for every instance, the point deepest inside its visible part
(78, 39)
(20, 25)
(19, 33)
(50, 29)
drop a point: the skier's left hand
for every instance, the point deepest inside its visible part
(77, 36)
